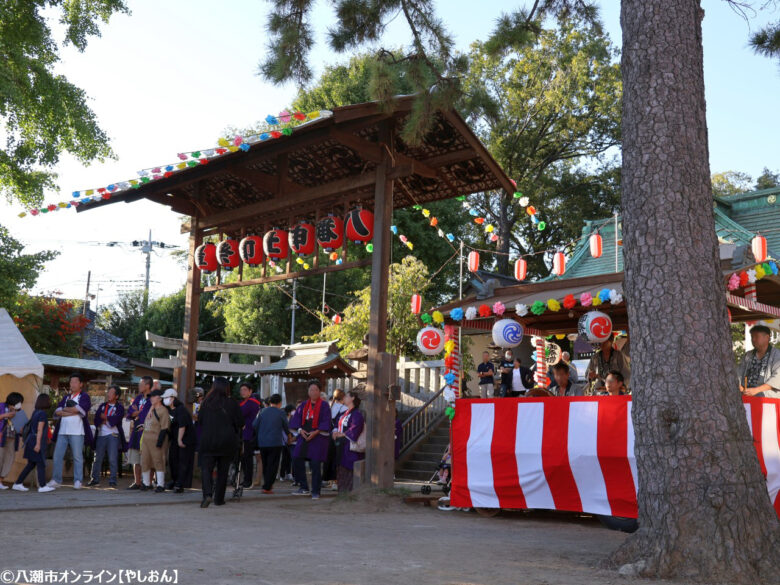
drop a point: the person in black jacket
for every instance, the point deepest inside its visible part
(221, 423)
(181, 452)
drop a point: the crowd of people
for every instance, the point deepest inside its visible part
(608, 373)
(165, 437)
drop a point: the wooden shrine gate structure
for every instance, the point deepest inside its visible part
(353, 157)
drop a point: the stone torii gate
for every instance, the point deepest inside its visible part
(353, 157)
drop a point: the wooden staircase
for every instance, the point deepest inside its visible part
(423, 459)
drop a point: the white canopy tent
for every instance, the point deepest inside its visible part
(20, 371)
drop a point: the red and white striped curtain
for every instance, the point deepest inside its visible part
(569, 453)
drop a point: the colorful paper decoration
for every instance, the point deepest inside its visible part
(595, 245)
(330, 233)
(521, 269)
(430, 340)
(473, 263)
(758, 245)
(250, 249)
(227, 254)
(530, 210)
(276, 244)
(595, 326)
(336, 319)
(484, 311)
(438, 317)
(206, 257)
(498, 308)
(456, 314)
(416, 304)
(559, 264)
(359, 225)
(507, 333)
(301, 239)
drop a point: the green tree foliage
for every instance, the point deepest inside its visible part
(18, 271)
(766, 41)
(549, 112)
(406, 278)
(730, 183)
(49, 325)
(428, 60)
(261, 314)
(127, 319)
(767, 180)
(43, 114)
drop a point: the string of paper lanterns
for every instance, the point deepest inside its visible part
(281, 125)
(278, 244)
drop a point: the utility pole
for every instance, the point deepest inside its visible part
(324, 280)
(84, 313)
(147, 249)
(294, 307)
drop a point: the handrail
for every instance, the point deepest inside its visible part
(419, 409)
(424, 418)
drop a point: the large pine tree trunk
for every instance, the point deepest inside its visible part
(704, 511)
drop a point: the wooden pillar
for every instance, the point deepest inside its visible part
(186, 374)
(381, 366)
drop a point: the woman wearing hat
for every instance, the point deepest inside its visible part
(759, 373)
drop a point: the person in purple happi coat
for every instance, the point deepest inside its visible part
(137, 412)
(313, 422)
(350, 426)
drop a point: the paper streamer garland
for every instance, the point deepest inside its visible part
(285, 123)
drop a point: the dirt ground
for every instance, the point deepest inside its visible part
(285, 540)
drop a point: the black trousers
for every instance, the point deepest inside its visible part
(270, 457)
(181, 462)
(248, 462)
(286, 468)
(299, 470)
(222, 464)
(40, 466)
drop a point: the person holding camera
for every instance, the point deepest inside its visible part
(71, 430)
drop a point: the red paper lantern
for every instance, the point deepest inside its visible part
(559, 264)
(359, 225)
(276, 244)
(759, 248)
(336, 318)
(227, 254)
(206, 257)
(595, 245)
(473, 261)
(521, 269)
(330, 232)
(251, 250)
(416, 304)
(301, 239)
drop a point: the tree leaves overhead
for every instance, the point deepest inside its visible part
(18, 271)
(42, 113)
(549, 113)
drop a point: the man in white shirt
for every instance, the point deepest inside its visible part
(71, 430)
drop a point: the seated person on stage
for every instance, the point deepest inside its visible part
(614, 385)
(573, 375)
(522, 379)
(759, 372)
(563, 386)
(607, 359)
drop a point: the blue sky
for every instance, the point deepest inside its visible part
(171, 76)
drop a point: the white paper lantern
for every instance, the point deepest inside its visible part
(595, 326)
(507, 333)
(430, 340)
